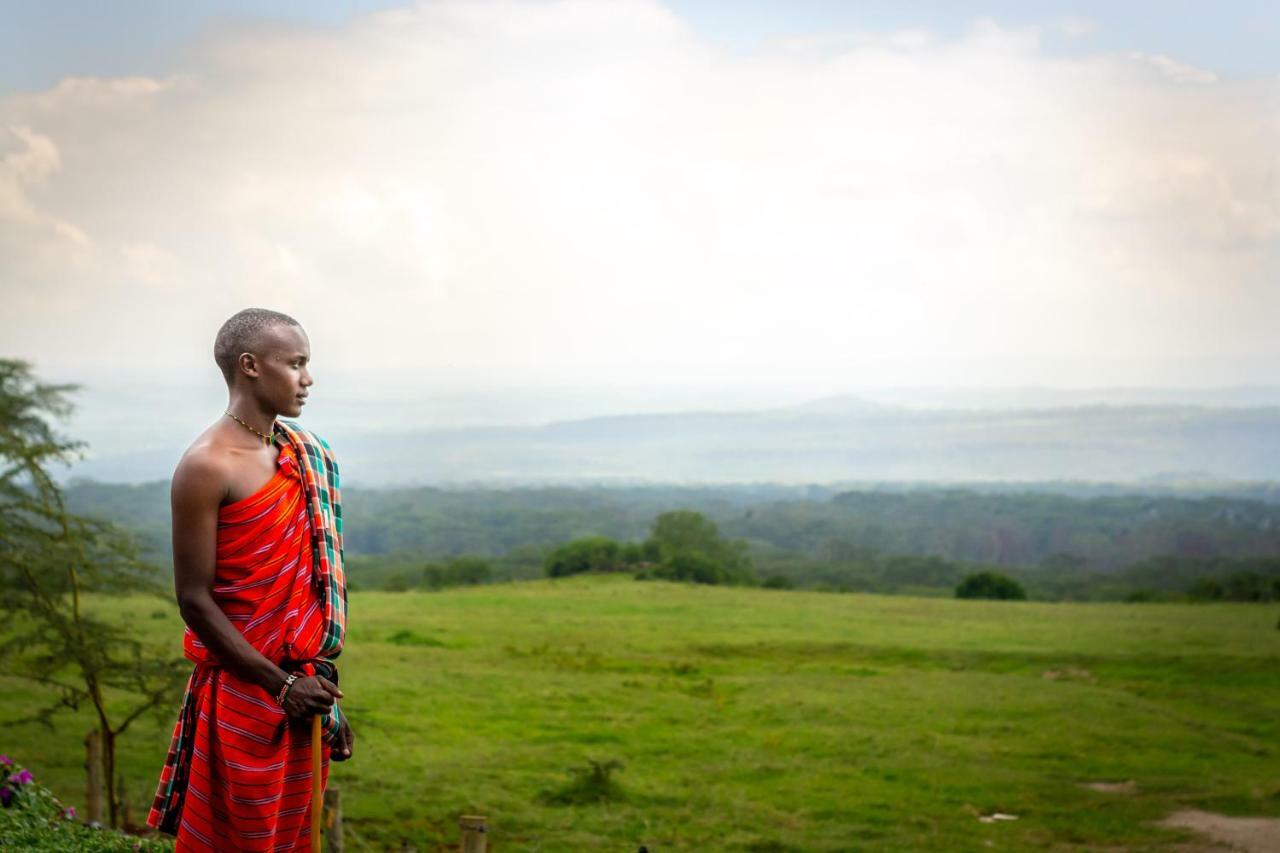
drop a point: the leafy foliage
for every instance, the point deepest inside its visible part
(32, 818)
(592, 784)
(51, 561)
(990, 585)
(1241, 585)
(593, 554)
(1069, 536)
(688, 547)
(462, 571)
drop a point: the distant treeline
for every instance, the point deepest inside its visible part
(1111, 547)
(709, 558)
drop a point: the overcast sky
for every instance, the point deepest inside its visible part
(793, 198)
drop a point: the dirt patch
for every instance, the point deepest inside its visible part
(1125, 787)
(1250, 834)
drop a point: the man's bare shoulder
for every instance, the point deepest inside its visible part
(205, 467)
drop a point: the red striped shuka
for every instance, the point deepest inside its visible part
(238, 774)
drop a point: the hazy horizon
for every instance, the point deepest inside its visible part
(517, 213)
(480, 435)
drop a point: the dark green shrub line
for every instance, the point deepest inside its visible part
(990, 585)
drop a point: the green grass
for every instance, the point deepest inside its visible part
(755, 720)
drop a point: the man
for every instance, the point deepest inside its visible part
(257, 563)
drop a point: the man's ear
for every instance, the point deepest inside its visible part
(249, 365)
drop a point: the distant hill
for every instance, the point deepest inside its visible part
(830, 442)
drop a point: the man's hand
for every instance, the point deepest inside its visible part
(310, 695)
(344, 743)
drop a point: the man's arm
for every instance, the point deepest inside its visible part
(199, 486)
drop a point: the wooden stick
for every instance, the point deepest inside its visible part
(317, 793)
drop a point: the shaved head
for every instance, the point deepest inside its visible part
(243, 333)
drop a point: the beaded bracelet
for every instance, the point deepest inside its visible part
(288, 682)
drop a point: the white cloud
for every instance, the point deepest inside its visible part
(1179, 72)
(25, 167)
(586, 189)
(1076, 27)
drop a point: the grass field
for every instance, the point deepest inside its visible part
(759, 720)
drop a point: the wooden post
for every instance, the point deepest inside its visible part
(333, 820)
(474, 833)
(93, 769)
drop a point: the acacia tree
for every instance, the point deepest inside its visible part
(60, 574)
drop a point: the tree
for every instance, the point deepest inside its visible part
(682, 531)
(460, 571)
(54, 566)
(468, 571)
(1206, 589)
(687, 546)
(1245, 586)
(691, 566)
(593, 554)
(990, 585)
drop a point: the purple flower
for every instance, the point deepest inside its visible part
(5, 761)
(22, 777)
(69, 812)
(6, 795)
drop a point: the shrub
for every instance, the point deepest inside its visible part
(32, 818)
(460, 571)
(1241, 585)
(405, 637)
(398, 582)
(688, 546)
(990, 585)
(691, 566)
(1205, 589)
(592, 784)
(593, 554)
(1247, 586)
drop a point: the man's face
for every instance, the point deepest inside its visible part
(284, 354)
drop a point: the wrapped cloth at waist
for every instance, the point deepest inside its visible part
(321, 667)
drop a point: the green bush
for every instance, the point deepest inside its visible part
(592, 784)
(688, 547)
(593, 554)
(32, 818)
(990, 585)
(398, 582)
(1205, 589)
(460, 571)
(1240, 585)
(691, 566)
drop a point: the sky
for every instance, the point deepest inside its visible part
(652, 205)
